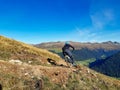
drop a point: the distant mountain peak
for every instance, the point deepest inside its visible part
(111, 42)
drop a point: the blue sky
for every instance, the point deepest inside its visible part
(36, 21)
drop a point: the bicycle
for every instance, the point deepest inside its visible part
(68, 61)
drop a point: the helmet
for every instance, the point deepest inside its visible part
(67, 42)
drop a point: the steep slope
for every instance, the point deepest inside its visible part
(84, 51)
(11, 49)
(28, 77)
(109, 66)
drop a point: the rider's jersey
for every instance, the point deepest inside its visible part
(67, 47)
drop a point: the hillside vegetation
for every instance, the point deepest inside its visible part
(109, 66)
(11, 49)
(26, 77)
(18, 73)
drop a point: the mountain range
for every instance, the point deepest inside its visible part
(87, 52)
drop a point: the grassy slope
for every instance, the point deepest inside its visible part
(11, 49)
(23, 77)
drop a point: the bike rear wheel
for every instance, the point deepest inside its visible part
(68, 61)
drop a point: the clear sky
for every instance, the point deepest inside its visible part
(36, 21)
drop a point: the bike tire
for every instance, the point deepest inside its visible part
(68, 61)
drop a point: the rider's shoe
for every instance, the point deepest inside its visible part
(74, 65)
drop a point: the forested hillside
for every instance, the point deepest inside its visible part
(109, 66)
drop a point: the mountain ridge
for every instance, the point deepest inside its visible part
(84, 51)
(109, 66)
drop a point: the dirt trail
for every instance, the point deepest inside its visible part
(57, 74)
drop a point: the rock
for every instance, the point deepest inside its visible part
(1, 87)
(39, 84)
(16, 62)
(29, 62)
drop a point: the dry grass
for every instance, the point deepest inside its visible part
(23, 77)
(12, 77)
(11, 49)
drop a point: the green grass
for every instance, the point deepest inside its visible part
(86, 62)
(55, 50)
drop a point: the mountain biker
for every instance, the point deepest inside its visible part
(66, 51)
